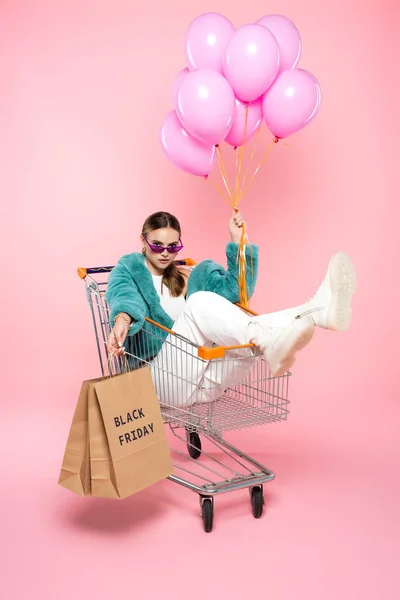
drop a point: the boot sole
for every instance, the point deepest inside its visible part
(295, 341)
(343, 282)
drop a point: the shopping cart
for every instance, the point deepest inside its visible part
(215, 408)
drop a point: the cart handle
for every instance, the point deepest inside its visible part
(84, 271)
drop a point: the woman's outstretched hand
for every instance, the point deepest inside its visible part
(235, 226)
(117, 337)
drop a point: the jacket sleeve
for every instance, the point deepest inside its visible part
(123, 296)
(208, 276)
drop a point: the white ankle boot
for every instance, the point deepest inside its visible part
(280, 344)
(281, 334)
(330, 308)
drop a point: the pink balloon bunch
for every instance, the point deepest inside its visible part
(234, 79)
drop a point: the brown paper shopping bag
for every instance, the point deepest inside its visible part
(117, 444)
(128, 445)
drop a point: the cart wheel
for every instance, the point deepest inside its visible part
(194, 444)
(207, 514)
(257, 501)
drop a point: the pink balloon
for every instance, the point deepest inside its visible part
(254, 119)
(175, 86)
(206, 105)
(288, 38)
(292, 102)
(206, 40)
(251, 61)
(183, 150)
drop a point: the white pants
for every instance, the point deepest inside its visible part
(180, 377)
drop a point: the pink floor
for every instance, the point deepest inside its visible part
(330, 529)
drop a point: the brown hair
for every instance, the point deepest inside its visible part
(172, 278)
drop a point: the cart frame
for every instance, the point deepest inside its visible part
(259, 398)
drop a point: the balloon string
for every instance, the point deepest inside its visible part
(224, 175)
(241, 257)
(249, 162)
(222, 167)
(216, 186)
(243, 295)
(274, 141)
(242, 270)
(234, 199)
(237, 157)
(239, 174)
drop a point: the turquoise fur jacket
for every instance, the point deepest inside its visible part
(131, 290)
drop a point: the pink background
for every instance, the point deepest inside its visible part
(84, 86)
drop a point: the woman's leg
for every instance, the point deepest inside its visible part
(210, 319)
(181, 378)
(330, 307)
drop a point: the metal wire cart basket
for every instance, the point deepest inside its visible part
(215, 409)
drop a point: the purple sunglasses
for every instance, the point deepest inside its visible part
(158, 249)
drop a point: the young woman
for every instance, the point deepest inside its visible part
(199, 305)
